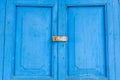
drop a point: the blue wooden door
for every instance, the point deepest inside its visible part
(89, 53)
(29, 52)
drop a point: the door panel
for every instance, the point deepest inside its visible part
(33, 41)
(29, 51)
(86, 52)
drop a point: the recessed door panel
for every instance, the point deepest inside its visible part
(33, 41)
(86, 46)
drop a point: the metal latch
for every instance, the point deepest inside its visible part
(59, 38)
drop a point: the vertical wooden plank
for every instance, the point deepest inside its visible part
(54, 45)
(9, 39)
(2, 26)
(110, 40)
(116, 16)
(62, 46)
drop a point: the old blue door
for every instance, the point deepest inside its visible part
(27, 49)
(93, 42)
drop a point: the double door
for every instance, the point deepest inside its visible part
(58, 40)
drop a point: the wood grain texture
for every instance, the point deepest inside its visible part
(116, 8)
(2, 27)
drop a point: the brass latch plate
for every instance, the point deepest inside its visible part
(59, 38)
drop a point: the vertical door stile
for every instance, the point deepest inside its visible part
(62, 46)
(111, 73)
(2, 34)
(116, 15)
